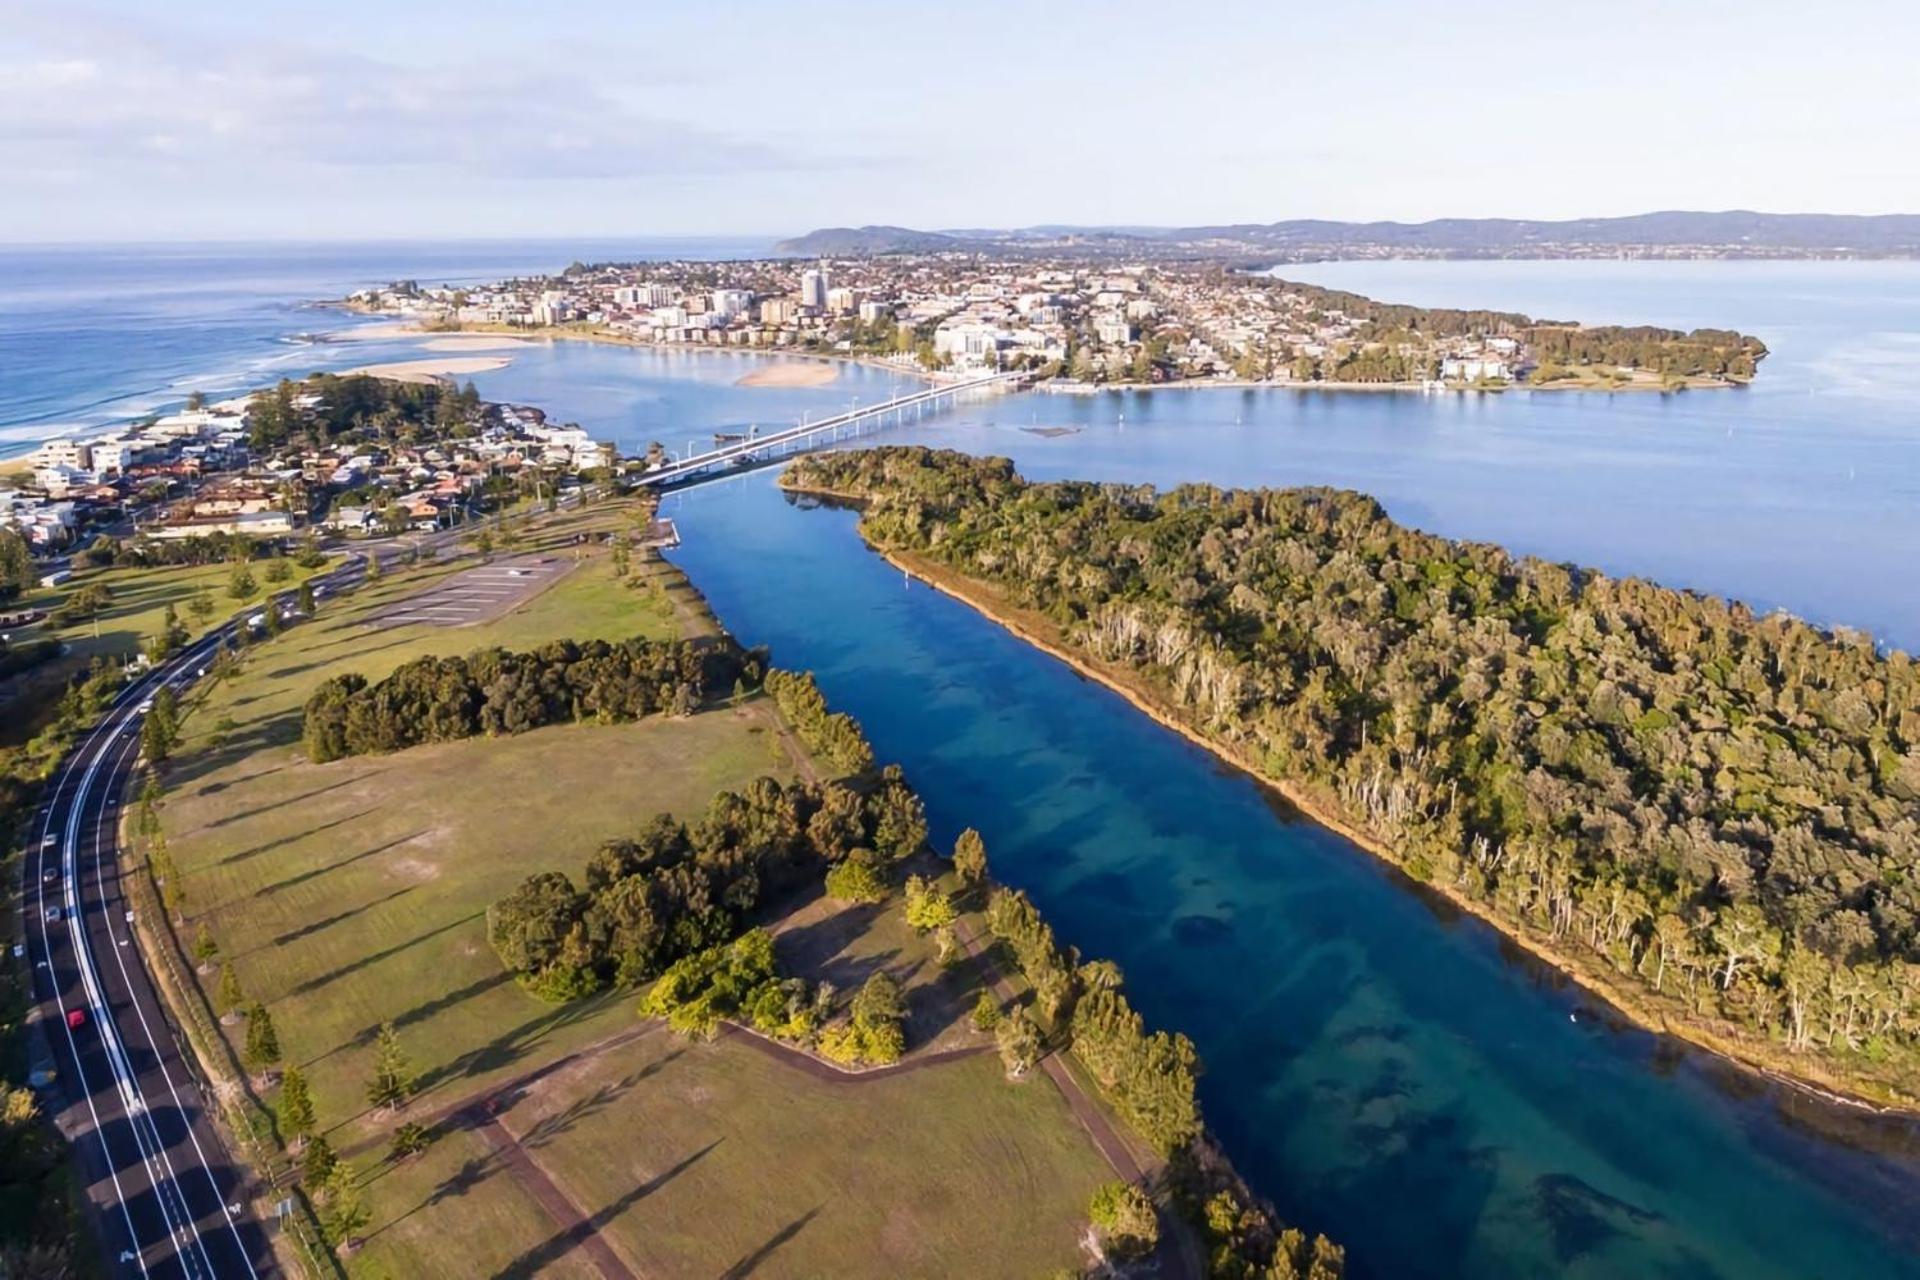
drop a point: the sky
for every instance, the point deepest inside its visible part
(352, 120)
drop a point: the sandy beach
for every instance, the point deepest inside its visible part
(791, 373)
(431, 370)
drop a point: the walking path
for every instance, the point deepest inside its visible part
(576, 1228)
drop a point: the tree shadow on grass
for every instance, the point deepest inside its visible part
(322, 979)
(505, 1050)
(470, 1175)
(283, 841)
(585, 1108)
(747, 1265)
(318, 926)
(418, 1014)
(559, 1245)
(242, 815)
(267, 891)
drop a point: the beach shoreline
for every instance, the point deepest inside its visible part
(1733, 1049)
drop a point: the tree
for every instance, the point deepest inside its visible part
(344, 1209)
(240, 583)
(856, 879)
(17, 574)
(228, 998)
(277, 570)
(392, 1081)
(1742, 934)
(160, 731)
(206, 948)
(1125, 1219)
(263, 1042)
(373, 566)
(200, 605)
(410, 1139)
(927, 907)
(305, 601)
(986, 1012)
(970, 858)
(295, 1108)
(317, 1163)
(1018, 1040)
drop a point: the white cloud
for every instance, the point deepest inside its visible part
(146, 102)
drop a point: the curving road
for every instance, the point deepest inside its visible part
(169, 1197)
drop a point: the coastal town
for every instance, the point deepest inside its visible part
(1074, 324)
(224, 469)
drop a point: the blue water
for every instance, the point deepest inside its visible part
(90, 336)
(1387, 1071)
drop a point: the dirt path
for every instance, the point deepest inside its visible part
(828, 1073)
(576, 1228)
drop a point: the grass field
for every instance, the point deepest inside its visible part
(354, 893)
(135, 615)
(712, 1159)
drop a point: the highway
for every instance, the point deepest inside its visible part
(170, 1198)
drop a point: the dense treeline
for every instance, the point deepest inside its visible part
(494, 691)
(327, 407)
(1721, 808)
(833, 734)
(673, 891)
(1711, 353)
(1386, 327)
(17, 573)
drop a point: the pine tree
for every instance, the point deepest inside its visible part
(296, 1107)
(263, 1042)
(317, 1162)
(970, 858)
(206, 948)
(228, 998)
(346, 1210)
(392, 1081)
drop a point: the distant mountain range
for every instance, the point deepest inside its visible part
(1674, 233)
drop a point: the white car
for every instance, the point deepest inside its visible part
(50, 841)
(146, 705)
(53, 915)
(257, 620)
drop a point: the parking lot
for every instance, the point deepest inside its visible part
(473, 595)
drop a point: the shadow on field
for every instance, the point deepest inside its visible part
(420, 1012)
(557, 1246)
(283, 841)
(507, 1049)
(751, 1262)
(367, 961)
(454, 1186)
(301, 668)
(582, 1109)
(317, 926)
(244, 814)
(267, 891)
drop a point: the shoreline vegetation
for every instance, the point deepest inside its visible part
(457, 332)
(1850, 1081)
(675, 914)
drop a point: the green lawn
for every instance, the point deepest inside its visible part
(135, 615)
(354, 893)
(698, 1159)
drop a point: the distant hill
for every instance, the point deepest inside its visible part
(1734, 233)
(860, 241)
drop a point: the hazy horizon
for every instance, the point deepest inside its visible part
(355, 121)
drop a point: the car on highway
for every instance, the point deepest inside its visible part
(257, 621)
(52, 839)
(76, 1019)
(53, 915)
(146, 705)
(49, 875)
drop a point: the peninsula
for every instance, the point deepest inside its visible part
(1075, 322)
(1707, 817)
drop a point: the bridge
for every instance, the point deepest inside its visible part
(807, 436)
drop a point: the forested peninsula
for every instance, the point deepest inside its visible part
(1709, 817)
